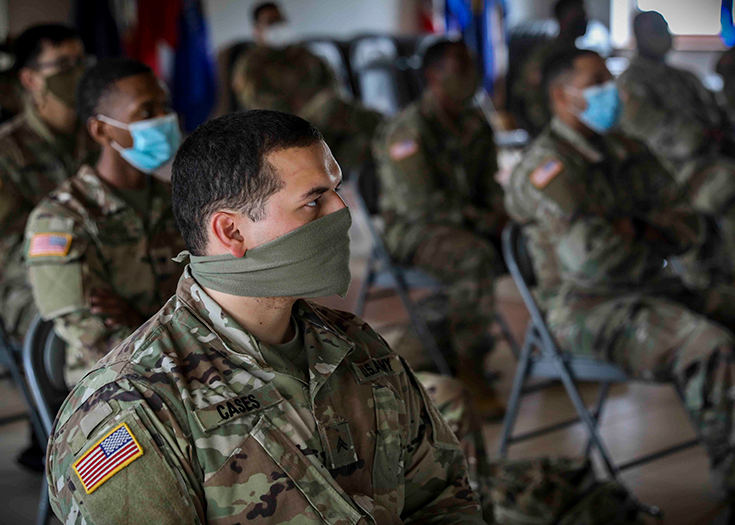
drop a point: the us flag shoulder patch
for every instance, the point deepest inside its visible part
(110, 455)
(546, 172)
(49, 244)
(403, 149)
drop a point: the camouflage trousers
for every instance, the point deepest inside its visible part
(17, 308)
(538, 491)
(467, 264)
(655, 338)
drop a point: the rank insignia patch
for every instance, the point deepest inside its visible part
(110, 455)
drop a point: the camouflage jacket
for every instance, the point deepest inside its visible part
(33, 161)
(222, 437)
(587, 207)
(85, 236)
(671, 111)
(434, 170)
(296, 81)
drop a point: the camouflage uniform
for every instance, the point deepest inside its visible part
(103, 243)
(227, 438)
(528, 91)
(603, 284)
(294, 80)
(33, 161)
(443, 208)
(679, 119)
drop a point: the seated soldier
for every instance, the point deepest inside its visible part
(240, 401)
(442, 206)
(601, 221)
(39, 149)
(527, 89)
(100, 247)
(679, 119)
(280, 76)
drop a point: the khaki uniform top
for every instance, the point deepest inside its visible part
(33, 161)
(672, 112)
(83, 236)
(294, 80)
(437, 171)
(586, 203)
(227, 438)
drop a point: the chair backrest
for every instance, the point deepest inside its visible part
(383, 86)
(43, 359)
(369, 48)
(331, 52)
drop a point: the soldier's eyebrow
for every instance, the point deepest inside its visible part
(319, 190)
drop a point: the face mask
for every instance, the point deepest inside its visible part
(603, 107)
(63, 85)
(311, 261)
(279, 35)
(155, 141)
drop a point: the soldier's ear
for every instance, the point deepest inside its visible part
(30, 79)
(98, 131)
(225, 235)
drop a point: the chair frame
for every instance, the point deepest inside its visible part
(554, 365)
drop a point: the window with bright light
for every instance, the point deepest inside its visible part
(687, 17)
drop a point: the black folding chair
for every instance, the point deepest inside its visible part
(44, 354)
(334, 54)
(541, 358)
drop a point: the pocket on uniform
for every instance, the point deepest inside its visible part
(388, 467)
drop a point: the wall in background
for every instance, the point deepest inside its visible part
(520, 10)
(24, 13)
(230, 19)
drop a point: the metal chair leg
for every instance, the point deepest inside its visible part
(366, 284)
(44, 506)
(597, 416)
(508, 335)
(586, 418)
(511, 413)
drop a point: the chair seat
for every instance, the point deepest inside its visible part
(414, 278)
(583, 369)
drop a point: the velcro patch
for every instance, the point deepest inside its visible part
(546, 172)
(377, 367)
(229, 409)
(115, 451)
(49, 245)
(403, 149)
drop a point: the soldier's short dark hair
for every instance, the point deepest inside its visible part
(29, 45)
(559, 64)
(98, 82)
(261, 7)
(562, 6)
(223, 166)
(436, 52)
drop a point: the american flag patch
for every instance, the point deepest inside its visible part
(545, 173)
(403, 149)
(110, 455)
(49, 244)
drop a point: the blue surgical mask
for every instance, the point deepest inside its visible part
(603, 107)
(155, 141)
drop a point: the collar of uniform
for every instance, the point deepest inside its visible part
(581, 144)
(326, 345)
(99, 192)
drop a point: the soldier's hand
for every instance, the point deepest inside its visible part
(114, 309)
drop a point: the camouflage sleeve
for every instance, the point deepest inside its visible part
(675, 135)
(155, 481)
(63, 268)
(590, 248)
(407, 174)
(437, 487)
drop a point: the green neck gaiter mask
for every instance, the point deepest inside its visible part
(311, 261)
(64, 85)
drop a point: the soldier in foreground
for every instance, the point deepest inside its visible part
(239, 401)
(277, 74)
(572, 19)
(680, 120)
(601, 220)
(442, 207)
(100, 247)
(39, 148)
